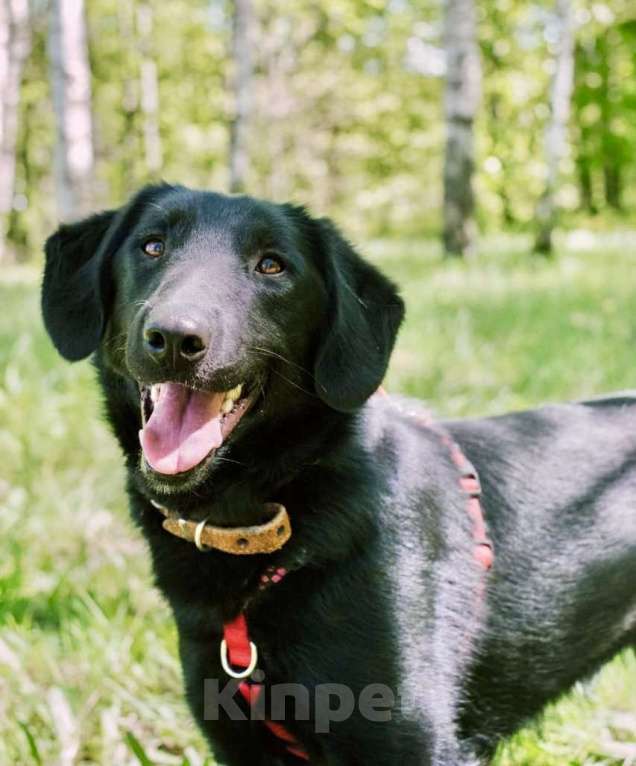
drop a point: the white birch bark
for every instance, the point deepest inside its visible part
(15, 46)
(462, 97)
(71, 87)
(149, 89)
(242, 89)
(556, 143)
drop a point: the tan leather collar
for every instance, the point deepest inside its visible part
(241, 541)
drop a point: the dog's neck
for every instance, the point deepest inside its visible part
(313, 484)
(253, 471)
(318, 465)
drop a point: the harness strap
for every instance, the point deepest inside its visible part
(238, 643)
(241, 652)
(468, 481)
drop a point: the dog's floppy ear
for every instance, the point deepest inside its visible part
(76, 289)
(365, 312)
(75, 285)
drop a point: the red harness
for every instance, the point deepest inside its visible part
(241, 652)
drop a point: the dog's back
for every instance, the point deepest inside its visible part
(559, 495)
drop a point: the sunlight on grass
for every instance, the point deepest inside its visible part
(88, 661)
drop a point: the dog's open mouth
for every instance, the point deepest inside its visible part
(182, 426)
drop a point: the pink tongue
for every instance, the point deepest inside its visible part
(184, 427)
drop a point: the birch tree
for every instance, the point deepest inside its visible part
(242, 87)
(149, 83)
(15, 44)
(556, 129)
(461, 101)
(71, 88)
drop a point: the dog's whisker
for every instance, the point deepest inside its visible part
(229, 460)
(292, 383)
(282, 358)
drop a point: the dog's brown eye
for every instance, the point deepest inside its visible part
(153, 247)
(270, 265)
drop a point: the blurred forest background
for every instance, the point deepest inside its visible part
(357, 108)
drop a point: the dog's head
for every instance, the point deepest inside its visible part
(224, 311)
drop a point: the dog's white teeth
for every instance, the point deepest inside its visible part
(154, 392)
(234, 393)
(230, 399)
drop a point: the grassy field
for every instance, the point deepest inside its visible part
(88, 669)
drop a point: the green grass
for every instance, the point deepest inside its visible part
(88, 668)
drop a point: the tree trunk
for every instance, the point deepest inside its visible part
(275, 106)
(149, 82)
(586, 189)
(556, 130)
(610, 149)
(128, 147)
(15, 45)
(462, 96)
(613, 183)
(71, 87)
(242, 86)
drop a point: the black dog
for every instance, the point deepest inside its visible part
(242, 343)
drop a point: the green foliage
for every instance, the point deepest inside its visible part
(347, 113)
(88, 657)
(604, 100)
(517, 48)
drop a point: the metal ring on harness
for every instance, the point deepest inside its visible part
(242, 673)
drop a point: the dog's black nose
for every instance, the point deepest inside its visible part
(178, 340)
